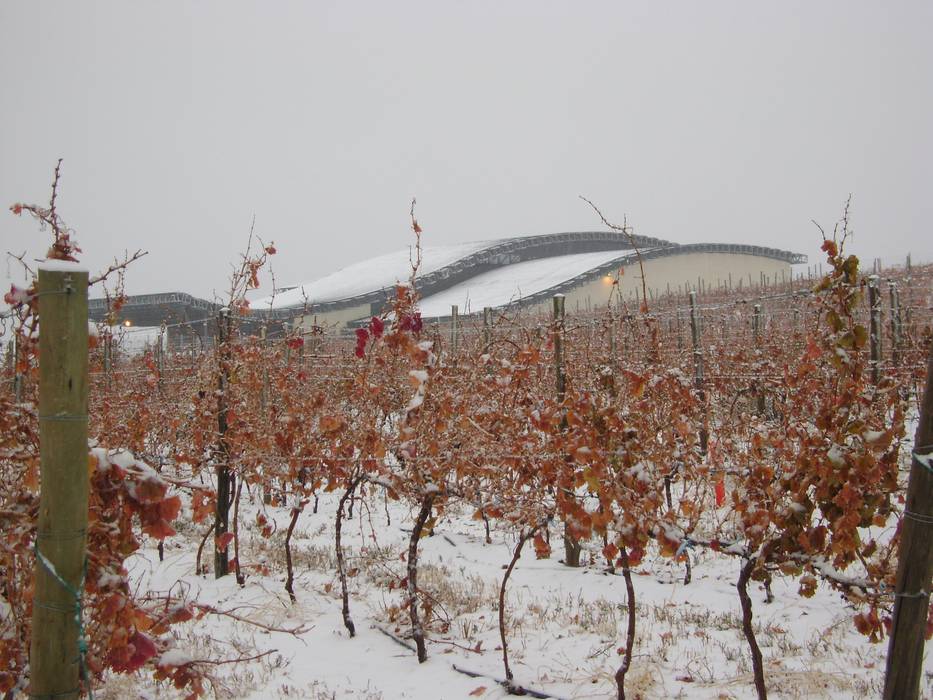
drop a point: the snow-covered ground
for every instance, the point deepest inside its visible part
(565, 625)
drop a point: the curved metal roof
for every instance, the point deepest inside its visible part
(497, 254)
(631, 258)
(520, 249)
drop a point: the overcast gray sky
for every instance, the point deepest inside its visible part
(702, 121)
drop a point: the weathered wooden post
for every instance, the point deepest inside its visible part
(895, 323)
(915, 562)
(698, 366)
(874, 337)
(300, 335)
(558, 335)
(454, 330)
(57, 645)
(572, 547)
(160, 385)
(286, 332)
(17, 375)
(9, 364)
(108, 354)
(756, 326)
(612, 340)
(160, 354)
(680, 331)
(487, 329)
(264, 392)
(222, 454)
(264, 400)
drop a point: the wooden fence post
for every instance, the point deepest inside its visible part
(698, 367)
(756, 327)
(454, 330)
(915, 562)
(108, 354)
(286, 332)
(222, 454)
(264, 392)
(56, 661)
(300, 335)
(874, 339)
(487, 329)
(17, 375)
(895, 324)
(559, 346)
(612, 340)
(160, 357)
(572, 547)
(756, 323)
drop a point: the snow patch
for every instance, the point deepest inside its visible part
(174, 657)
(61, 266)
(836, 456)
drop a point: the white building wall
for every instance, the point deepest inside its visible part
(679, 274)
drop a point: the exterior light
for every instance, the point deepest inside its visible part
(127, 323)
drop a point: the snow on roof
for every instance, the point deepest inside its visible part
(54, 265)
(136, 339)
(369, 275)
(510, 283)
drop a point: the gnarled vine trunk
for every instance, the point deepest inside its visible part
(197, 559)
(341, 568)
(240, 578)
(523, 538)
(572, 548)
(746, 601)
(417, 630)
(290, 580)
(630, 633)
